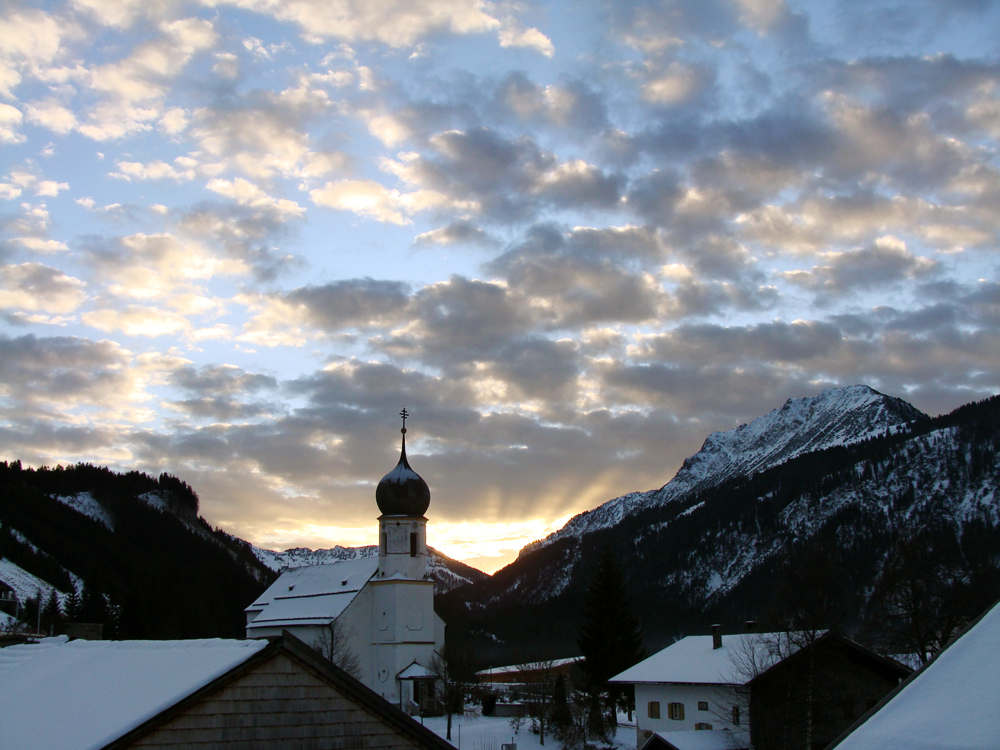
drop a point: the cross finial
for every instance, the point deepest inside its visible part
(404, 414)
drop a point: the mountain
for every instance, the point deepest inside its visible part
(837, 416)
(832, 483)
(127, 550)
(447, 573)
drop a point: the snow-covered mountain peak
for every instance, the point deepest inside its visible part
(836, 416)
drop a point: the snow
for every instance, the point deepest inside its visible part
(318, 593)
(710, 739)
(79, 695)
(692, 660)
(85, 504)
(476, 732)
(951, 704)
(26, 586)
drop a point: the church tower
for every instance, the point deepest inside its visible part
(402, 498)
(407, 635)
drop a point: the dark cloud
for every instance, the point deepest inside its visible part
(223, 392)
(362, 303)
(510, 178)
(459, 232)
(459, 321)
(62, 367)
(884, 262)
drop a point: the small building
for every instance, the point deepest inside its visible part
(252, 695)
(951, 703)
(749, 683)
(374, 616)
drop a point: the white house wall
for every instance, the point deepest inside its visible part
(720, 700)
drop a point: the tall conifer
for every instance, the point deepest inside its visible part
(610, 638)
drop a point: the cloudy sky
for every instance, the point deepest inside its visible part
(571, 238)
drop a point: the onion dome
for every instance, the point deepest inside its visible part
(403, 492)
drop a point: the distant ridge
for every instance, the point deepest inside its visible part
(836, 416)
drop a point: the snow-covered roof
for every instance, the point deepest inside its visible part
(692, 739)
(692, 660)
(77, 695)
(415, 672)
(312, 595)
(528, 667)
(951, 704)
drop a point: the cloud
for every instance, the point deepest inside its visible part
(10, 123)
(36, 287)
(52, 115)
(29, 40)
(886, 261)
(292, 318)
(357, 20)
(131, 90)
(513, 34)
(504, 179)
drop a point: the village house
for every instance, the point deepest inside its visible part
(950, 702)
(373, 616)
(739, 688)
(252, 695)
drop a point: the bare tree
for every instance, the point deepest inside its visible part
(455, 673)
(334, 644)
(539, 687)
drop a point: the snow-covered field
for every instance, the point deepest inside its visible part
(476, 732)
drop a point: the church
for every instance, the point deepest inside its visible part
(373, 616)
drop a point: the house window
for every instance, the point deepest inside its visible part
(653, 710)
(703, 725)
(736, 716)
(702, 705)
(413, 545)
(676, 711)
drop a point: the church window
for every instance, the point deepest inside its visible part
(413, 545)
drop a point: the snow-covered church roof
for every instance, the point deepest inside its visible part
(950, 704)
(314, 595)
(77, 695)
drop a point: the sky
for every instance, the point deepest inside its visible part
(572, 239)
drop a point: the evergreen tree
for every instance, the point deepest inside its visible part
(610, 640)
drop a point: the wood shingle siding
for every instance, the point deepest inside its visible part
(286, 697)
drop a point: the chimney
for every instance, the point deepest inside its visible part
(716, 636)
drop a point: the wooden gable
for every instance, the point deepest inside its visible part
(285, 696)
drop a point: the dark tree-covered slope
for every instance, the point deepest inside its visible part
(133, 541)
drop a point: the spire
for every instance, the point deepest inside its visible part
(403, 492)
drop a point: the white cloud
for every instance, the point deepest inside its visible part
(672, 86)
(29, 39)
(50, 188)
(123, 13)
(10, 123)
(365, 198)
(395, 24)
(52, 115)
(155, 170)
(136, 320)
(513, 34)
(246, 193)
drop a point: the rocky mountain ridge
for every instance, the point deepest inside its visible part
(834, 417)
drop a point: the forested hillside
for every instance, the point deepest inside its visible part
(127, 550)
